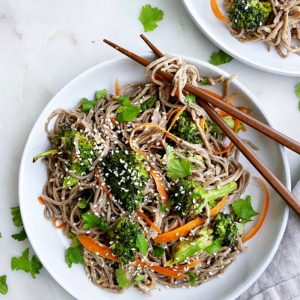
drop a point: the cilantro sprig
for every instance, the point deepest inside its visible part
(17, 220)
(3, 285)
(74, 254)
(243, 209)
(219, 58)
(127, 111)
(150, 16)
(90, 220)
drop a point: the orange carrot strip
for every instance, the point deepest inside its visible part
(160, 186)
(41, 200)
(202, 123)
(117, 88)
(161, 270)
(260, 222)
(217, 11)
(95, 247)
(147, 220)
(172, 112)
(189, 265)
(58, 226)
(215, 210)
(180, 111)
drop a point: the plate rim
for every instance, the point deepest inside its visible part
(191, 10)
(239, 290)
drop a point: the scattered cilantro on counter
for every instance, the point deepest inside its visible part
(150, 16)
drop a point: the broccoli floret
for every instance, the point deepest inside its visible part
(190, 197)
(63, 138)
(126, 176)
(148, 104)
(124, 235)
(225, 230)
(186, 129)
(249, 14)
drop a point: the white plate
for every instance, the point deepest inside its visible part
(50, 244)
(254, 54)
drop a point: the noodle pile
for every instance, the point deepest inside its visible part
(101, 125)
(282, 31)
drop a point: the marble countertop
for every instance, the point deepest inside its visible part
(44, 44)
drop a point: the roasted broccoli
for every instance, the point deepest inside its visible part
(186, 129)
(190, 197)
(126, 176)
(191, 246)
(123, 239)
(225, 230)
(249, 14)
(148, 104)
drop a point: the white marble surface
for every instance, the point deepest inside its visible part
(46, 43)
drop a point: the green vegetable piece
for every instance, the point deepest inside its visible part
(249, 14)
(99, 95)
(142, 244)
(150, 16)
(90, 220)
(214, 247)
(186, 129)
(23, 263)
(299, 105)
(3, 285)
(127, 111)
(191, 246)
(297, 90)
(87, 105)
(74, 254)
(44, 154)
(138, 279)
(21, 236)
(69, 180)
(216, 129)
(190, 98)
(148, 104)
(204, 81)
(192, 278)
(16, 216)
(85, 200)
(158, 251)
(124, 236)
(177, 167)
(122, 278)
(220, 58)
(243, 209)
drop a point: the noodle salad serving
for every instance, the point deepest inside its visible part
(146, 187)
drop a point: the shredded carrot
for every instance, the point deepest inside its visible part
(260, 222)
(161, 270)
(160, 186)
(117, 88)
(202, 123)
(183, 230)
(41, 200)
(58, 226)
(172, 112)
(180, 111)
(189, 265)
(218, 11)
(95, 247)
(148, 221)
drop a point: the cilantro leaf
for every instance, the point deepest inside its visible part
(214, 247)
(3, 285)
(243, 209)
(177, 167)
(190, 98)
(127, 111)
(158, 251)
(219, 58)
(142, 244)
(16, 216)
(297, 90)
(122, 279)
(150, 16)
(74, 254)
(138, 279)
(21, 236)
(192, 278)
(240, 227)
(23, 263)
(204, 81)
(100, 94)
(87, 105)
(91, 220)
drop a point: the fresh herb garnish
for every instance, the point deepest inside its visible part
(192, 278)
(21, 236)
(122, 279)
(16, 216)
(3, 285)
(150, 16)
(148, 104)
(85, 199)
(158, 251)
(87, 105)
(142, 244)
(127, 111)
(243, 209)
(137, 280)
(90, 220)
(204, 81)
(219, 58)
(190, 98)
(74, 254)
(100, 94)
(177, 167)
(23, 263)
(297, 92)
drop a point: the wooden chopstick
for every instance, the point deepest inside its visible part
(231, 110)
(254, 160)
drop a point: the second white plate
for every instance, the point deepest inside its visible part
(254, 54)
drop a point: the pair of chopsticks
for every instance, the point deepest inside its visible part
(206, 100)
